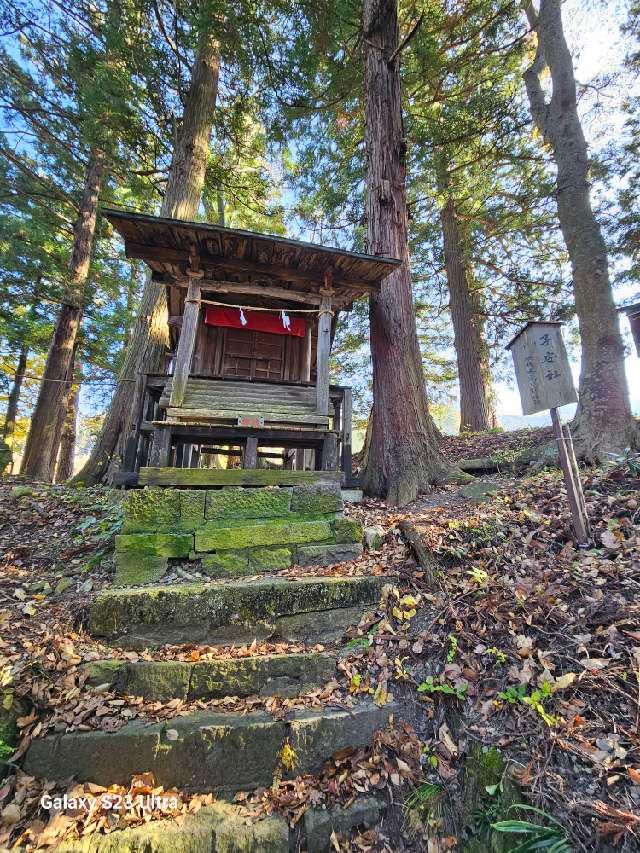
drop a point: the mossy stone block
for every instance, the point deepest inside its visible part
(248, 561)
(327, 555)
(347, 530)
(239, 502)
(136, 569)
(192, 503)
(109, 672)
(155, 544)
(226, 563)
(197, 611)
(269, 559)
(316, 499)
(215, 538)
(151, 509)
(158, 680)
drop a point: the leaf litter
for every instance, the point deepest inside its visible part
(532, 643)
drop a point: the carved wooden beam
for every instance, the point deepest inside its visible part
(161, 254)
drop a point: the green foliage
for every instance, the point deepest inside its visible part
(430, 687)
(453, 648)
(422, 798)
(535, 700)
(552, 838)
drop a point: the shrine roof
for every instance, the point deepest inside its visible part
(169, 247)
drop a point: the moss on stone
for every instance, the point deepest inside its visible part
(347, 530)
(155, 544)
(225, 563)
(485, 768)
(220, 826)
(104, 672)
(215, 538)
(151, 509)
(138, 569)
(187, 606)
(269, 559)
(8, 734)
(317, 499)
(239, 502)
(192, 503)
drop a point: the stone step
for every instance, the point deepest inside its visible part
(219, 827)
(310, 610)
(224, 828)
(263, 675)
(213, 752)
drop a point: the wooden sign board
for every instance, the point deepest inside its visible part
(542, 368)
(253, 421)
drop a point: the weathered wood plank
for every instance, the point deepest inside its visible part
(250, 455)
(322, 357)
(329, 459)
(347, 415)
(232, 414)
(203, 477)
(307, 297)
(186, 343)
(305, 373)
(160, 446)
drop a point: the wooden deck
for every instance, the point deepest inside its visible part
(229, 403)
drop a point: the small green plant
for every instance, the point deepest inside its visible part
(429, 686)
(453, 648)
(629, 461)
(419, 806)
(535, 700)
(552, 838)
(500, 657)
(478, 576)
(360, 642)
(513, 694)
(423, 795)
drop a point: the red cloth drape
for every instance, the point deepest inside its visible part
(256, 321)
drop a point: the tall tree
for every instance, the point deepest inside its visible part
(477, 410)
(603, 420)
(404, 455)
(43, 439)
(149, 336)
(67, 90)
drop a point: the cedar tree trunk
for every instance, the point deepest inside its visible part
(603, 420)
(42, 441)
(404, 456)
(14, 395)
(64, 468)
(149, 335)
(472, 353)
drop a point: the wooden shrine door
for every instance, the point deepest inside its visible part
(253, 355)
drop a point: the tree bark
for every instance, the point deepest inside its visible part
(404, 456)
(472, 353)
(14, 395)
(149, 336)
(41, 445)
(64, 468)
(603, 420)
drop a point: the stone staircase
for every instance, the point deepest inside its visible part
(211, 750)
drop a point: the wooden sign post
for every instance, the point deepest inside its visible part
(545, 382)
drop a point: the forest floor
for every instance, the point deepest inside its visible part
(511, 638)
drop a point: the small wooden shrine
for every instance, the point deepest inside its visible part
(251, 320)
